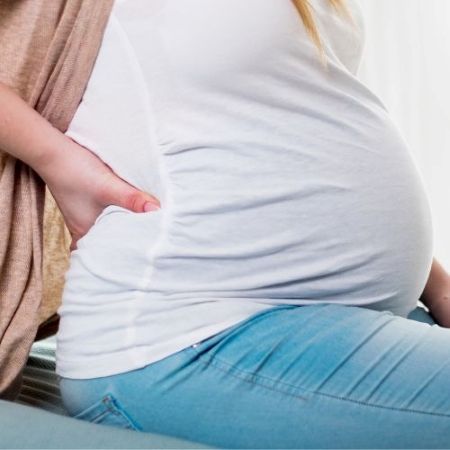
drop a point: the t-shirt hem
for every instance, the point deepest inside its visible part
(96, 366)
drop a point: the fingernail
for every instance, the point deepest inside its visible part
(149, 206)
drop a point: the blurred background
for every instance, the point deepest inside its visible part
(407, 64)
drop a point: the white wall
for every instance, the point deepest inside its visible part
(407, 64)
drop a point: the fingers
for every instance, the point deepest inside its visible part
(138, 201)
(150, 206)
(121, 193)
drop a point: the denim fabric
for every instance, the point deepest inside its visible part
(315, 376)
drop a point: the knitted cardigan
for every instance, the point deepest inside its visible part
(47, 52)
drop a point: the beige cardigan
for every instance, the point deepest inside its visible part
(47, 52)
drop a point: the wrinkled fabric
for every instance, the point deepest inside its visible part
(47, 51)
(278, 181)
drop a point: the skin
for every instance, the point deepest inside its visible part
(80, 182)
(436, 295)
(83, 185)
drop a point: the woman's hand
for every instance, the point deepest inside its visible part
(83, 185)
(80, 182)
(436, 295)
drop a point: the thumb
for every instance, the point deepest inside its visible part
(127, 196)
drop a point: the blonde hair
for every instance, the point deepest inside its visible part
(305, 11)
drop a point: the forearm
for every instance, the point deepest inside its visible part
(437, 288)
(80, 182)
(25, 134)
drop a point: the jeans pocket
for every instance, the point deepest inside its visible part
(107, 411)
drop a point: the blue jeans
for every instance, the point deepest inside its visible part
(315, 376)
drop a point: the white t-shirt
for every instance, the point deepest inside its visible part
(280, 182)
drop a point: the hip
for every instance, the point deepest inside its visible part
(316, 376)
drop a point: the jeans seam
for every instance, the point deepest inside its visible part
(253, 379)
(112, 406)
(249, 378)
(100, 415)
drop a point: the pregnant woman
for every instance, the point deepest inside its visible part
(266, 296)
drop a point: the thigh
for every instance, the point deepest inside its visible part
(318, 376)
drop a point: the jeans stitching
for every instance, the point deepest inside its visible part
(253, 379)
(112, 406)
(250, 379)
(99, 416)
(109, 405)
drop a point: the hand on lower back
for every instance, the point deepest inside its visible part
(83, 185)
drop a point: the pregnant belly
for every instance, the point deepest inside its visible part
(353, 230)
(328, 219)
